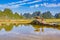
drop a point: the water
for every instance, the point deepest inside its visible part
(29, 32)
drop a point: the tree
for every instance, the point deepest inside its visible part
(47, 15)
(17, 16)
(57, 15)
(1, 14)
(8, 13)
(37, 13)
(27, 15)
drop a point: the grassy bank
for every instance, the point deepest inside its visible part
(52, 20)
(26, 20)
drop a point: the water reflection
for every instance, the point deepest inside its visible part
(6, 27)
(37, 28)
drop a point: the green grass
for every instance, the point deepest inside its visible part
(26, 20)
(51, 20)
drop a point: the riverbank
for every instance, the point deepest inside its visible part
(52, 20)
(22, 21)
(26, 21)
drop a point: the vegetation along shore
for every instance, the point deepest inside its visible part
(7, 16)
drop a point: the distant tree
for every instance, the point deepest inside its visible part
(37, 13)
(57, 15)
(47, 15)
(1, 13)
(17, 16)
(27, 15)
(8, 13)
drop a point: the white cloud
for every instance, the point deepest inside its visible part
(18, 2)
(50, 5)
(53, 5)
(7, 6)
(21, 4)
(13, 4)
(34, 2)
(46, 5)
(31, 6)
(36, 6)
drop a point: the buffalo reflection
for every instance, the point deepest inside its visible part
(38, 28)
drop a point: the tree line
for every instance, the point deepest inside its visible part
(8, 14)
(46, 15)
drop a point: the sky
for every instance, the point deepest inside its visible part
(30, 6)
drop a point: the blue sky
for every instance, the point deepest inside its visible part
(25, 6)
